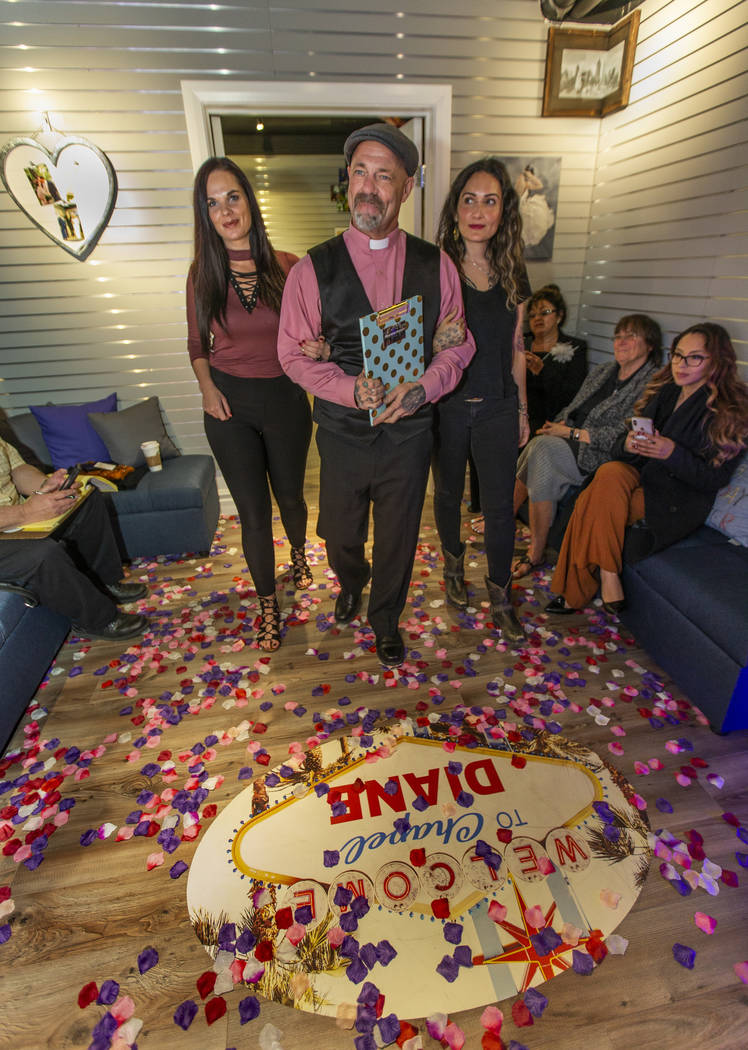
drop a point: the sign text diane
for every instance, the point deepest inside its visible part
(479, 777)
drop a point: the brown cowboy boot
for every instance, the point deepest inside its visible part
(502, 611)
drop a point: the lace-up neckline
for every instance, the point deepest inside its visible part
(243, 283)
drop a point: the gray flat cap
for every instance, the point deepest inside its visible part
(389, 136)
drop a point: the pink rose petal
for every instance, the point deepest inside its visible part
(705, 922)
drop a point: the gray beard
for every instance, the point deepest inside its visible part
(367, 222)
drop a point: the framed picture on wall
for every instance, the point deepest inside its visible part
(588, 71)
(536, 180)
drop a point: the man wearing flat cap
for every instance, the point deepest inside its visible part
(370, 267)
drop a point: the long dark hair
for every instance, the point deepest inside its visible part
(210, 267)
(727, 399)
(504, 250)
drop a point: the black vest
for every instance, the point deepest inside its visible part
(343, 302)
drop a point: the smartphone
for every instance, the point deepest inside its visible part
(72, 475)
(642, 425)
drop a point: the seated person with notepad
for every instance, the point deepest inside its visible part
(74, 568)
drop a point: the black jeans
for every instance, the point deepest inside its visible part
(69, 570)
(489, 431)
(267, 437)
(392, 479)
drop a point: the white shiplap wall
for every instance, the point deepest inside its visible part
(669, 218)
(111, 71)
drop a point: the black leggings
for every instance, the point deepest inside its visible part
(267, 437)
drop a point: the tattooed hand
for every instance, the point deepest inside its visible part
(404, 400)
(449, 332)
(368, 392)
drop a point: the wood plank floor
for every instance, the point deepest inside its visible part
(87, 912)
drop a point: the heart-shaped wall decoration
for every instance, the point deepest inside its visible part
(67, 188)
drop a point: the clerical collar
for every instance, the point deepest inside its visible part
(377, 246)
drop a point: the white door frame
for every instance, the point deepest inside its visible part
(206, 98)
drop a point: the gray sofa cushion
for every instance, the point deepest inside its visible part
(27, 429)
(123, 431)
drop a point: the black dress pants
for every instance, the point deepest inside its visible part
(267, 437)
(488, 430)
(69, 570)
(392, 479)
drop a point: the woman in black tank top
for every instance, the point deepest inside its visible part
(485, 417)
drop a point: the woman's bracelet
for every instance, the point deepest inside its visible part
(522, 406)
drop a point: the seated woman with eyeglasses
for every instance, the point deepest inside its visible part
(691, 431)
(581, 437)
(556, 362)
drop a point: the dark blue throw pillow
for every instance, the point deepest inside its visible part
(68, 434)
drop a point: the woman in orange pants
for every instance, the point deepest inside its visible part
(667, 471)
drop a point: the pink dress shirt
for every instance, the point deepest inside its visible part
(381, 272)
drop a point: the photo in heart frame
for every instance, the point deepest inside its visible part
(67, 188)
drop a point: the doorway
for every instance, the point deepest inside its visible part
(206, 100)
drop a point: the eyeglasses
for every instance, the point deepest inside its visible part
(690, 361)
(540, 313)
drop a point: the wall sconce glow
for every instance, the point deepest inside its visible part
(259, 126)
(63, 183)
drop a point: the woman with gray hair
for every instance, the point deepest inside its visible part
(582, 436)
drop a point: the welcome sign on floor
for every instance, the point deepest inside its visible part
(482, 866)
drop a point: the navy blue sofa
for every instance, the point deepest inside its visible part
(688, 607)
(30, 636)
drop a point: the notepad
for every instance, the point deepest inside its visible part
(392, 341)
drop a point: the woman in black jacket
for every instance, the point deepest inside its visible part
(556, 361)
(690, 427)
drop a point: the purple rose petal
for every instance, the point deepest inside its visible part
(369, 994)
(453, 932)
(249, 1008)
(448, 969)
(684, 955)
(185, 1014)
(147, 959)
(5, 932)
(178, 869)
(108, 993)
(348, 922)
(582, 963)
(385, 953)
(331, 858)
(389, 1028)
(535, 1002)
(356, 971)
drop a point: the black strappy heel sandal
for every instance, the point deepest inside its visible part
(268, 629)
(302, 574)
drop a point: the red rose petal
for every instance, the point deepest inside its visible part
(214, 1009)
(284, 918)
(440, 907)
(206, 983)
(519, 761)
(88, 994)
